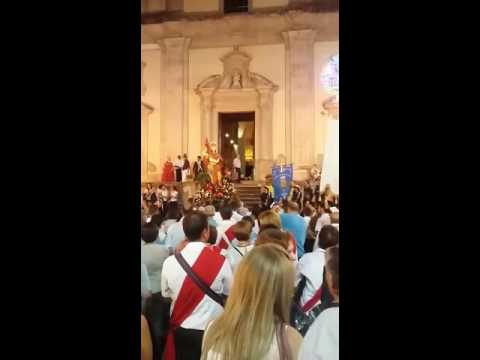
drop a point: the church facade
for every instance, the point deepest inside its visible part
(264, 65)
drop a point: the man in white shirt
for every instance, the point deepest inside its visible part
(153, 256)
(226, 214)
(311, 265)
(237, 169)
(178, 168)
(323, 220)
(322, 339)
(175, 235)
(192, 309)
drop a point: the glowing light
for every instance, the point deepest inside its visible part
(231, 141)
(227, 135)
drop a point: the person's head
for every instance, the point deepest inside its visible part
(157, 219)
(269, 217)
(242, 230)
(292, 207)
(226, 212)
(332, 271)
(179, 157)
(308, 211)
(185, 156)
(260, 297)
(272, 236)
(216, 205)
(149, 232)
(195, 227)
(213, 235)
(199, 158)
(327, 189)
(250, 220)
(328, 237)
(209, 210)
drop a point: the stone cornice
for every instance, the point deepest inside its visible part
(244, 29)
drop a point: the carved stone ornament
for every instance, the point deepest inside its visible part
(236, 74)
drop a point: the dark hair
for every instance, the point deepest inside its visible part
(235, 204)
(216, 204)
(272, 236)
(226, 212)
(242, 230)
(308, 211)
(199, 157)
(149, 232)
(157, 219)
(194, 224)
(256, 211)
(250, 220)
(332, 265)
(328, 237)
(213, 235)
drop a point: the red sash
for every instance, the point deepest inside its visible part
(207, 266)
(227, 238)
(315, 298)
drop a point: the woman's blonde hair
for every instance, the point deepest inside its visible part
(260, 298)
(269, 217)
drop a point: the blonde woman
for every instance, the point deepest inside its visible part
(254, 323)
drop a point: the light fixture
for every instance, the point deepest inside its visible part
(227, 135)
(231, 141)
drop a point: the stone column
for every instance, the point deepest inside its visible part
(174, 95)
(264, 153)
(206, 115)
(146, 111)
(300, 99)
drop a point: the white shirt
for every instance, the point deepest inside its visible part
(223, 226)
(237, 163)
(236, 217)
(153, 256)
(217, 217)
(321, 340)
(175, 234)
(179, 163)
(311, 266)
(145, 281)
(321, 222)
(173, 277)
(307, 220)
(234, 257)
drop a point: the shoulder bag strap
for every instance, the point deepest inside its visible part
(206, 289)
(236, 249)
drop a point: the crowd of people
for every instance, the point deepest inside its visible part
(220, 281)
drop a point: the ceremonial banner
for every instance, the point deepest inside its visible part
(282, 181)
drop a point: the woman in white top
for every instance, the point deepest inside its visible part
(254, 323)
(241, 244)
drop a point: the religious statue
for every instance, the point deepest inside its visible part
(214, 162)
(236, 80)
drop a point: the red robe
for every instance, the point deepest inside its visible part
(168, 174)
